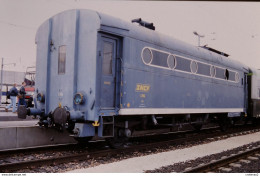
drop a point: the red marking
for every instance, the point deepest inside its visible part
(29, 89)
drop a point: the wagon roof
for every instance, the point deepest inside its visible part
(159, 39)
(162, 40)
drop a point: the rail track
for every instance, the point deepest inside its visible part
(225, 163)
(8, 161)
(39, 149)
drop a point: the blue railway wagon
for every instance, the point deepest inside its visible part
(97, 71)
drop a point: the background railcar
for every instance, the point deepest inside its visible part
(95, 71)
(254, 93)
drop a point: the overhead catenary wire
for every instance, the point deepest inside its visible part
(17, 25)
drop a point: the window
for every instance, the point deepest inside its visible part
(159, 58)
(62, 60)
(194, 66)
(220, 73)
(212, 71)
(107, 58)
(147, 56)
(237, 77)
(232, 76)
(171, 60)
(156, 58)
(182, 64)
(204, 69)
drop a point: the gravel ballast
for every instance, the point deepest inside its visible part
(181, 166)
(158, 160)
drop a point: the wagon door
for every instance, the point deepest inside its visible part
(108, 78)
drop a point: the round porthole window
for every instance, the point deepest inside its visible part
(147, 56)
(194, 66)
(212, 71)
(171, 61)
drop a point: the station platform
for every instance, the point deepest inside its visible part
(10, 116)
(2, 108)
(8, 124)
(25, 134)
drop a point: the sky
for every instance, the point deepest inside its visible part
(231, 27)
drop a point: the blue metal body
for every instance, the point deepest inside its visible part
(133, 87)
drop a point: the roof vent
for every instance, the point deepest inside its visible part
(144, 23)
(215, 51)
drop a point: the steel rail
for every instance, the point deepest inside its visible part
(222, 162)
(38, 149)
